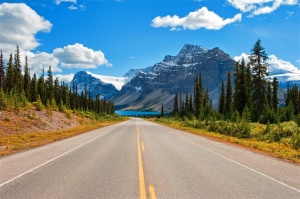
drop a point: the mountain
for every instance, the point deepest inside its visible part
(148, 89)
(94, 85)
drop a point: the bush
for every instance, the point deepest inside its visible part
(296, 140)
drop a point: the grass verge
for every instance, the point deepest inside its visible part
(22, 141)
(275, 149)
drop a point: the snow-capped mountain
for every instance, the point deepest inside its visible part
(148, 89)
(94, 86)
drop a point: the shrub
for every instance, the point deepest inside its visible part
(296, 140)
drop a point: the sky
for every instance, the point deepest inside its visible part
(109, 37)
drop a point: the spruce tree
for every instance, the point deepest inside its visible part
(9, 84)
(175, 105)
(259, 67)
(228, 103)
(275, 95)
(269, 94)
(33, 88)
(41, 88)
(27, 80)
(222, 99)
(49, 85)
(2, 71)
(162, 112)
(18, 78)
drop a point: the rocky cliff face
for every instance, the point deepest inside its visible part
(94, 85)
(159, 83)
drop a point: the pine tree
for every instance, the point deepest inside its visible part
(41, 88)
(27, 80)
(275, 94)
(9, 84)
(49, 85)
(222, 99)
(259, 66)
(162, 112)
(228, 103)
(175, 106)
(186, 105)
(269, 94)
(33, 88)
(191, 108)
(2, 72)
(18, 78)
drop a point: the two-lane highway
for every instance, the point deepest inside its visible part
(139, 159)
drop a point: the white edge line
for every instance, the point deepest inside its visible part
(240, 164)
(19, 176)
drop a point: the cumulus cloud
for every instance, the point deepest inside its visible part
(60, 1)
(39, 61)
(279, 64)
(274, 63)
(19, 24)
(258, 7)
(202, 18)
(79, 56)
(64, 78)
(72, 7)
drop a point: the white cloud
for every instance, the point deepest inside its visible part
(19, 24)
(274, 63)
(79, 56)
(258, 7)
(64, 78)
(60, 1)
(38, 62)
(239, 58)
(298, 61)
(72, 7)
(202, 18)
(279, 64)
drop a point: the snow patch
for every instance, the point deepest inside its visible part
(118, 82)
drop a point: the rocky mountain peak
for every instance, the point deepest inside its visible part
(189, 50)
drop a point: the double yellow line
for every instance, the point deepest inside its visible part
(142, 184)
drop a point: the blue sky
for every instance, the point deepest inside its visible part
(109, 37)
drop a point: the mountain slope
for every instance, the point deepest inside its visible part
(148, 89)
(94, 85)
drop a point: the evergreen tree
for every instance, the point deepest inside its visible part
(9, 84)
(198, 98)
(2, 72)
(269, 94)
(191, 108)
(27, 80)
(175, 106)
(259, 66)
(33, 88)
(240, 95)
(275, 94)
(49, 85)
(228, 103)
(162, 113)
(186, 105)
(18, 78)
(41, 88)
(222, 99)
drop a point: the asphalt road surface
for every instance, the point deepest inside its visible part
(139, 159)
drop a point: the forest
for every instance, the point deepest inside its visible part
(18, 88)
(248, 105)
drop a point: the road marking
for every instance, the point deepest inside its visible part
(142, 184)
(43, 164)
(242, 165)
(152, 192)
(142, 145)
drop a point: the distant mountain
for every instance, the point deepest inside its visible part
(159, 83)
(94, 85)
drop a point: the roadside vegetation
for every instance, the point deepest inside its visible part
(248, 114)
(39, 110)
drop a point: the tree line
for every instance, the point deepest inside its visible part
(17, 88)
(247, 94)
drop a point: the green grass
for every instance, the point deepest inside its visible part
(278, 142)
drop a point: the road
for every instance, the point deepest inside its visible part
(140, 159)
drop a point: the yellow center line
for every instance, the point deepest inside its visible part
(152, 192)
(142, 184)
(142, 145)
